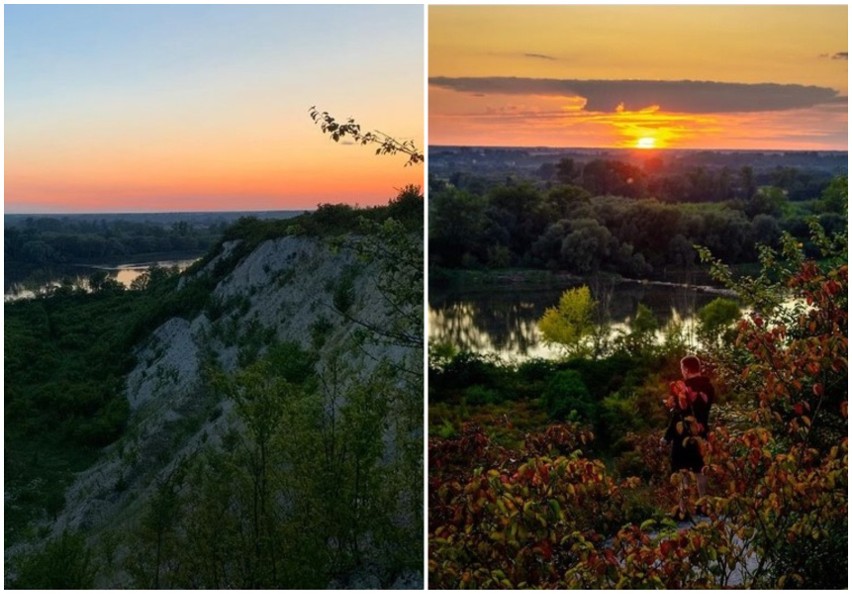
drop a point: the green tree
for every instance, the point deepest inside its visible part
(586, 246)
(260, 395)
(566, 172)
(835, 197)
(65, 563)
(748, 186)
(643, 330)
(457, 221)
(716, 321)
(570, 322)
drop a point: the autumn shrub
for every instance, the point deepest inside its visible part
(786, 476)
(776, 514)
(489, 504)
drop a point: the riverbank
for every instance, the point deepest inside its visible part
(26, 280)
(445, 280)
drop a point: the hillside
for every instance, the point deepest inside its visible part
(297, 370)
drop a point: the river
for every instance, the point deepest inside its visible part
(502, 320)
(40, 281)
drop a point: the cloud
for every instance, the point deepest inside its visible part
(540, 56)
(683, 96)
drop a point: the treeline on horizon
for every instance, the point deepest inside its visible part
(33, 240)
(40, 241)
(607, 215)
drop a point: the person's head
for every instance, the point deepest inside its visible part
(690, 366)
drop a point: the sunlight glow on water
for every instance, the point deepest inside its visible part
(504, 323)
(123, 273)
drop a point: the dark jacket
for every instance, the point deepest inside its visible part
(689, 423)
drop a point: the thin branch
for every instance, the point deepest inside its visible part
(387, 144)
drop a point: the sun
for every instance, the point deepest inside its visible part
(646, 142)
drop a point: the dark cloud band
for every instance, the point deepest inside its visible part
(682, 96)
(540, 57)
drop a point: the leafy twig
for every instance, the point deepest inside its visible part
(387, 144)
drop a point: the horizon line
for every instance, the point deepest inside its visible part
(148, 212)
(641, 150)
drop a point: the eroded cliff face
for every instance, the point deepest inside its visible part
(289, 289)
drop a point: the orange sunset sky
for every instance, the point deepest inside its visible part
(185, 108)
(738, 77)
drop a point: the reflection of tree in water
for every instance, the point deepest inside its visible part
(42, 280)
(505, 320)
(485, 325)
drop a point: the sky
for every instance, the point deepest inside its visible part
(715, 77)
(147, 108)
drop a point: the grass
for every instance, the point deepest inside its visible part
(505, 423)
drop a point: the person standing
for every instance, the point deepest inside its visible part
(688, 427)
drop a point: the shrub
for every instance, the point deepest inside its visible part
(535, 370)
(566, 397)
(468, 369)
(63, 564)
(289, 361)
(479, 395)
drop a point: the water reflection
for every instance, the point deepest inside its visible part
(503, 321)
(41, 281)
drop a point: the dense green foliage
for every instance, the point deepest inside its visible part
(300, 495)
(66, 356)
(40, 241)
(64, 563)
(604, 217)
(328, 221)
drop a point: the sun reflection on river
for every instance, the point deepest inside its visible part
(125, 274)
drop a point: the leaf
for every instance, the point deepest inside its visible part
(554, 506)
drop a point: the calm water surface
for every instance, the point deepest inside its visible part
(125, 273)
(503, 320)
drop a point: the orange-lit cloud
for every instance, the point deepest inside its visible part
(608, 76)
(505, 119)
